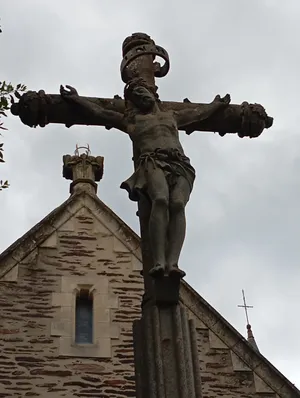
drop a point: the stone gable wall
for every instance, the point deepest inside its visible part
(38, 357)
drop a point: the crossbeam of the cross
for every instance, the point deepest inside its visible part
(227, 121)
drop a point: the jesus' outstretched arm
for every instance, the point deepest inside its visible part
(107, 117)
(188, 116)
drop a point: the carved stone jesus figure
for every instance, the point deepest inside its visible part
(163, 173)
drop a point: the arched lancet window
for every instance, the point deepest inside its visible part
(84, 318)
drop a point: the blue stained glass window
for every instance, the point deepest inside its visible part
(84, 320)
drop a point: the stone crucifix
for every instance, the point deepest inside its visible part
(163, 178)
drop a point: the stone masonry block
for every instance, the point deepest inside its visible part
(229, 338)
(199, 324)
(101, 285)
(12, 275)
(62, 299)
(102, 315)
(6, 265)
(68, 284)
(61, 328)
(101, 229)
(31, 258)
(261, 386)
(114, 331)
(28, 246)
(119, 246)
(73, 283)
(215, 342)
(67, 314)
(106, 330)
(106, 301)
(251, 358)
(266, 373)
(136, 263)
(69, 225)
(66, 215)
(51, 241)
(102, 348)
(237, 364)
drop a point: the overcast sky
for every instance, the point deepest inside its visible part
(243, 216)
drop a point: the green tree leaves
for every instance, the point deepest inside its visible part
(8, 94)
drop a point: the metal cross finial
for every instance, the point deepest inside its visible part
(245, 306)
(87, 149)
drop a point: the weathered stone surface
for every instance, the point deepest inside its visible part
(166, 353)
(50, 242)
(12, 275)
(215, 341)
(238, 364)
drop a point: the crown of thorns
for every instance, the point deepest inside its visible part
(139, 82)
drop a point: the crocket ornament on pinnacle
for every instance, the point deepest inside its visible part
(163, 177)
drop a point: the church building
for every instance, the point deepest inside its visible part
(70, 289)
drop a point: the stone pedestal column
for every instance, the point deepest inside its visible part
(84, 170)
(165, 347)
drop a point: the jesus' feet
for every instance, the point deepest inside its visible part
(157, 271)
(175, 272)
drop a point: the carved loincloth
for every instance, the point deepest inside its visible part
(172, 162)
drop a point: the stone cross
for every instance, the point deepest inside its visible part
(165, 339)
(163, 177)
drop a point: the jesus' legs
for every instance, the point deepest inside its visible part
(177, 225)
(158, 191)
